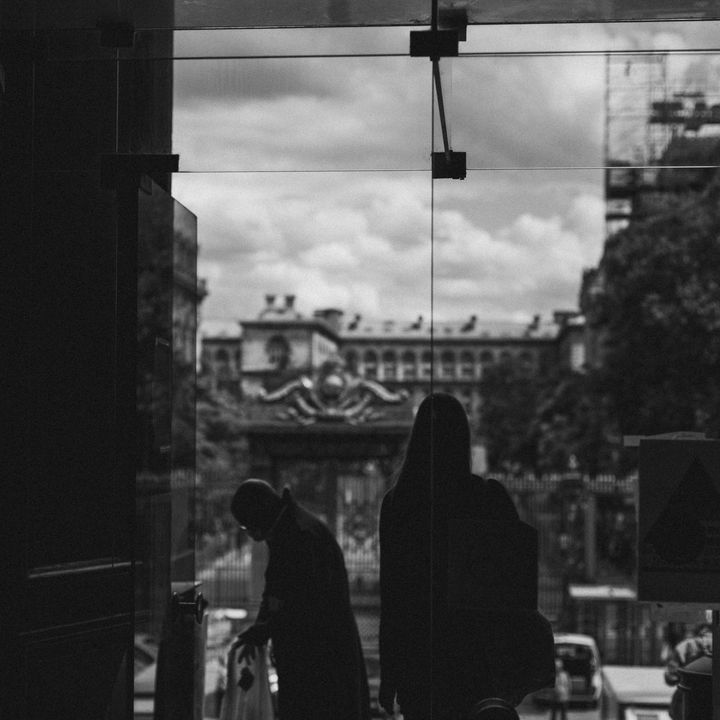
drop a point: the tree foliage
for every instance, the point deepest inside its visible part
(658, 313)
(571, 425)
(221, 442)
(543, 423)
(510, 395)
(655, 309)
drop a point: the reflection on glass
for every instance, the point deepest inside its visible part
(589, 37)
(529, 111)
(71, 43)
(168, 296)
(618, 110)
(187, 14)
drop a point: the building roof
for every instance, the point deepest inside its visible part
(219, 329)
(348, 327)
(361, 329)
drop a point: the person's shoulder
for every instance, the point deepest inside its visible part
(494, 486)
(495, 496)
(386, 503)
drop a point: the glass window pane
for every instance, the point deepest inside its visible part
(528, 111)
(283, 13)
(315, 284)
(341, 13)
(72, 43)
(301, 114)
(556, 166)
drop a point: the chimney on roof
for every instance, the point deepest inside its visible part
(332, 316)
(470, 324)
(417, 324)
(270, 300)
(533, 325)
(355, 322)
(561, 317)
(289, 302)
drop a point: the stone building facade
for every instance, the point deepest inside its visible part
(260, 354)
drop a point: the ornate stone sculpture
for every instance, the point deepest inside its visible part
(332, 395)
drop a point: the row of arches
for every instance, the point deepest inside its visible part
(412, 365)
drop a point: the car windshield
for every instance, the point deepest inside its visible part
(576, 658)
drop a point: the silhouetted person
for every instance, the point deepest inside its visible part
(305, 609)
(458, 578)
(561, 694)
(698, 644)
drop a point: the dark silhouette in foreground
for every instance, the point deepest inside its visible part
(561, 694)
(305, 609)
(460, 635)
(698, 644)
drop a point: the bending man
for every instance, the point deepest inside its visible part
(305, 609)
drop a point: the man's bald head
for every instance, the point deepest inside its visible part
(255, 506)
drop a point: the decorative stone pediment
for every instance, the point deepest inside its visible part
(332, 395)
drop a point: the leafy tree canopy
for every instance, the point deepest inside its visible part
(658, 311)
(655, 307)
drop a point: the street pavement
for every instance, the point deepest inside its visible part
(528, 711)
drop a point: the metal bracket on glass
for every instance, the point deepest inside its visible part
(443, 38)
(116, 34)
(434, 44)
(452, 165)
(442, 41)
(114, 167)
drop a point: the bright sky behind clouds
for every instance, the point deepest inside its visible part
(309, 176)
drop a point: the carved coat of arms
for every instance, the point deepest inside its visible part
(332, 394)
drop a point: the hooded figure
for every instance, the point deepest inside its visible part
(305, 609)
(458, 581)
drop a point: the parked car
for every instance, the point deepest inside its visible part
(635, 693)
(581, 659)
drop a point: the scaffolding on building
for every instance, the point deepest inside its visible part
(651, 99)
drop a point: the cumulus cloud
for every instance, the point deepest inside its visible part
(309, 177)
(333, 256)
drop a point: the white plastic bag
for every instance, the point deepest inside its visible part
(255, 702)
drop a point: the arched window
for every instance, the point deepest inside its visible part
(505, 356)
(278, 352)
(527, 361)
(409, 368)
(447, 364)
(222, 364)
(351, 361)
(467, 365)
(389, 360)
(487, 357)
(426, 364)
(371, 364)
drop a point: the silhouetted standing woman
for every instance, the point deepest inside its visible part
(458, 581)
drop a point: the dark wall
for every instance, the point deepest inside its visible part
(68, 494)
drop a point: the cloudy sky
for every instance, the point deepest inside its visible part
(309, 176)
